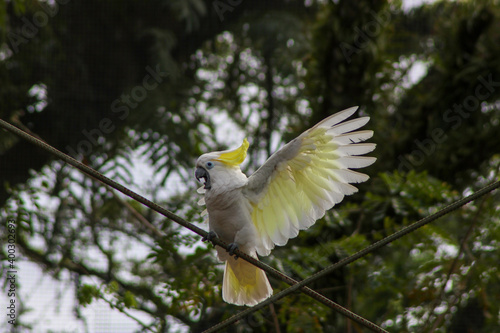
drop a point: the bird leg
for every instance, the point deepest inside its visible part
(231, 248)
(209, 237)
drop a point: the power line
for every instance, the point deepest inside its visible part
(268, 269)
(375, 246)
(294, 284)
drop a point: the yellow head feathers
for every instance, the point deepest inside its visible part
(235, 157)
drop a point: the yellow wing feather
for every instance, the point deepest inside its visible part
(306, 177)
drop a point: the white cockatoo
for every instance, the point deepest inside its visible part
(288, 193)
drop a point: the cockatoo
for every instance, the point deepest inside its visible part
(288, 193)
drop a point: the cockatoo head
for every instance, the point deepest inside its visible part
(216, 164)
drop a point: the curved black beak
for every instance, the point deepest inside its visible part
(201, 173)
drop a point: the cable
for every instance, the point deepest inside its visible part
(294, 284)
(216, 241)
(358, 255)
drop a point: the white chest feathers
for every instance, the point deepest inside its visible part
(226, 186)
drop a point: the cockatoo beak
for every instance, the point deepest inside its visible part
(202, 173)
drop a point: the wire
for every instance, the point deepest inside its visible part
(294, 284)
(216, 241)
(457, 204)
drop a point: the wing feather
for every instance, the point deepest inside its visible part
(348, 126)
(290, 212)
(349, 176)
(336, 118)
(355, 162)
(355, 137)
(308, 176)
(357, 149)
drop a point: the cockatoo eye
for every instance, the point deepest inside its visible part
(210, 165)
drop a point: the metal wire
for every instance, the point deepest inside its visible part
(216, 241)
(457, 204)
(294, 284)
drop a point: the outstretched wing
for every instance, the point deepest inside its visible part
(308, 176)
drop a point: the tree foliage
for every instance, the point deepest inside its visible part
(160, 82)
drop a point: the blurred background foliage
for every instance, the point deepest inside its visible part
(139, 89)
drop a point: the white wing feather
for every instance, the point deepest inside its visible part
(306, 177)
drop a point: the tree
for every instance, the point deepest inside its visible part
(110, 82)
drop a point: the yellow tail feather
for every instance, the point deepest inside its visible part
(244, 284)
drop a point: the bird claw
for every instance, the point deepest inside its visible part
(209, 237)
(231, 248)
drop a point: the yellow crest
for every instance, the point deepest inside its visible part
(235, 157)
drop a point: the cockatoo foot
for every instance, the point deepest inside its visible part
(209, 237)
(231, 248)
